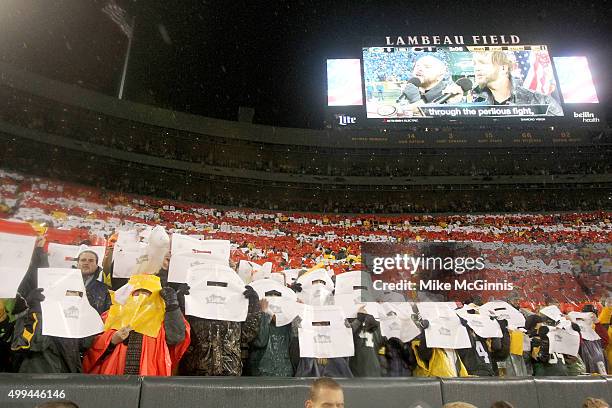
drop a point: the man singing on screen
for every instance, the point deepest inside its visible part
(496, 86)
(433, 78)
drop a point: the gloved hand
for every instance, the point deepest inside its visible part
(170, 298)
(392, 344)
(543, 331)
(370, 324)
(250, 294)
(20, 304)
(182, 290)
(503, 323)
(424, 323)
(296, 287)
(34, 298)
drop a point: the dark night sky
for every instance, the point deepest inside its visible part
(209, 57)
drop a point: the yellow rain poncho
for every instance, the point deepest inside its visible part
(145, 314)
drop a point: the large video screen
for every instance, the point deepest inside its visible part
(410, 84)
(575, 80)
(344, 82)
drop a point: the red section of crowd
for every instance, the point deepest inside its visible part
(74, 213)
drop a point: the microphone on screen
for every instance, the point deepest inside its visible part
(411, 91)
(465, 85)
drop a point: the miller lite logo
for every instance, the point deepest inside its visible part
(344, 120)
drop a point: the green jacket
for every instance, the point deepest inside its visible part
(269, 353)
(365, 362)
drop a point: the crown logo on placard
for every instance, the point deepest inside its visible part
(214, 299)
(322, 339)
(72, 312)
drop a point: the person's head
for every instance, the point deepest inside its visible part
(87, 262)
(591, 402)
(141, 292)
(325, 393)
(459, 404)
(491, 67)
(58, 404)
(429, 70)
(501, 404)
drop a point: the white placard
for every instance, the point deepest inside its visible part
(330, 313)
(66, 312)
(585, 321)
(504, 311)
(396, 320)
(444, 333)
(326, 342)
(351, 304)
(483, 326)
(190, 252)
(434, 310)
(445, 329)
(355, 283)
(216, 293)
(563, 341)
(15, 256)
(284, 307)
(64, 256)
(279, 277)
(401, 309)
(125, 239)
(389, 296)
(291, 275)
(552, 312)
(126, 258)
(251, 271)
(323, 333)
(400, 328)
(310, 292)
(217, 249)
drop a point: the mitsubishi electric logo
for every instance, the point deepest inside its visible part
(344, 120)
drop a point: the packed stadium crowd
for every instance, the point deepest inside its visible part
(153, 327)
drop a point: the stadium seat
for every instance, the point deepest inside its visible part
(85, 390)
(482, 392)
(222, 392)
(564, 392)
(392, 392)
(252, 392)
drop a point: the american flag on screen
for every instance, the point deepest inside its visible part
(575, 80)
(536, 68)
(119, 16)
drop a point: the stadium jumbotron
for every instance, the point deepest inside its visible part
(313, 204)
